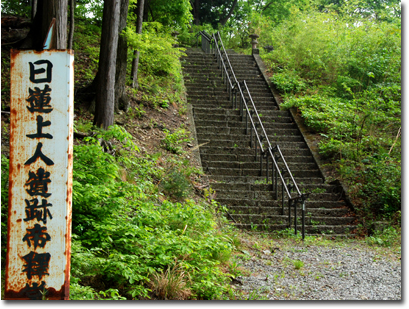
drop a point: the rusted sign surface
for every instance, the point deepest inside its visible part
(41, 134)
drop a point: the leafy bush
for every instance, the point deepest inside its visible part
(341, 71)
(288, 82)
(176, 184)
(125, 235)
(172, 141)
(385, 238)
(157, 54)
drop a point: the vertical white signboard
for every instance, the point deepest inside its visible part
(41, 153)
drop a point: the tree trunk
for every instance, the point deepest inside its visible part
(71, 34)
(196, 13)
(105, 97)
(121, 99)
(135, 61)
(44, 12)
(224, 20)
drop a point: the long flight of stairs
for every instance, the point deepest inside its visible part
(229, 161)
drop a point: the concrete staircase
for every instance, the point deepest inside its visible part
(229, 161)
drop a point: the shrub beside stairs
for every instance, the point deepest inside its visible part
(230, 163)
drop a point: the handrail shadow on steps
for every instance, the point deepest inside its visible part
(210, 45)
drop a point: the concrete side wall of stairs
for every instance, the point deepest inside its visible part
(230, 163)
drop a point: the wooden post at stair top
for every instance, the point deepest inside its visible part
(40, 183)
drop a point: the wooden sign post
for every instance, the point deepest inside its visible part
(41, 154)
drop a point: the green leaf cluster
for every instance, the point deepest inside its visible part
(125, 229)
(342, 72)
(157, 54)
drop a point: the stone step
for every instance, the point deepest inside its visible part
(258, 179)
(192, 87)
(227, 130)
(264, 186)
(286, 151)
(272, 202)
(330, 230)
(241, 140)
(223, 103)
(216, 111)
(283, 219)
(250, 158)
(257, 93)
(209, 97)
(256, 172)
(265, 118)
(278, 210)
(256, 165)
(201, 71)
(242, 124)
(247, 70)
(266, 196)
(245, 147)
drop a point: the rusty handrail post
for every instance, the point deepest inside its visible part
(295, 216)
(267, 168)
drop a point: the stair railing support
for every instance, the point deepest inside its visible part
(267, 167)
(255, 142)
(282, 198)
(303, 218)
(241, 108)
(295, 216)
(289, 212)
(247, 127)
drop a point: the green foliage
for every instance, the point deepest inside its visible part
(298, 264)
(289, 82)
(377, 181)
(79, 292)
(172, 141)
(172, 14)
(187, 37)
(342, 72)
(138, 111)
(18, 8)
(385, 238)
(176, 184)
(86, 44)
(157, 54)
(124, 232)
(90, 11)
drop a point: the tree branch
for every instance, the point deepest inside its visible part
(224, 20)
(267, 5)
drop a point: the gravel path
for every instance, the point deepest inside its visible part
(353, 272)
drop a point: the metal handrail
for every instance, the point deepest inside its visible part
(206, 35)
(248, 114)
(273, 152)
(227, 58)
(206, 41)
(225, 72)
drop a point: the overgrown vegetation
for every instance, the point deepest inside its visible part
(343, 75)
(139, 231)
(130, 236)
(338, 63)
